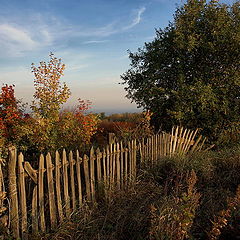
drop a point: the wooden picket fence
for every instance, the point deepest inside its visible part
(43, 197)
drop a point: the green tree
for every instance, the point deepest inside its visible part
(190, 73)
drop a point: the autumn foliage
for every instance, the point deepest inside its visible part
(46, 128)
(10, 115)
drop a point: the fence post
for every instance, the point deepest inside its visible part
(34, 210)
(108, 174)
(22, 194)
(58, 186)
(14, 217)
(122, 163)
(65, 183)
(99, 168)
(104, 168)
(51, 192)
(92, 173)
(72, 163)
(41, 193)
(118, 166)
(79, 180)
(86, 175)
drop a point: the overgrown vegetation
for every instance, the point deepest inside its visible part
(194, 197)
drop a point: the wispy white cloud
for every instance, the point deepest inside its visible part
(15, 40)
(95, 41)
(41, 32)
(107, 30)
(136, 20)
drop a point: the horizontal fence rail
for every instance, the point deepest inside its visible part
(63, 181)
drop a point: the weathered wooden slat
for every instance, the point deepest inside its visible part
(150, 150)
(118, 175)
(32, 173)
(130, 161)
(51, 192)
(160, 145)
(72, 180)
(191, 141)
(114, 165)
(99, 168)
(35, 210)
(92, 173)
(185, 140)
(171, 142)
(134, 143)
(182, 142)
(79, 180)
(156, 147)
(121, 164)
(179, 140)
(199, 148)
(165, 140)
(65, 184)
(126, 167)
(86, 176)
(104, 168)
(196, 144)
(13, 192)
(41, 193)
(175, 141)
(22, 195)
(111, 153)
(108, 176)
(58, 166)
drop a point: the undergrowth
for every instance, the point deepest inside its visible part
(193, 197)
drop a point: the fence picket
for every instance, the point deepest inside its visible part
(58, 166)
(79, 179)
(118, 166)
(104, 168)
(113, 164)
(92, 173)
(99, 168)
(41, 193)
(72, 180)
(34, 210)
(13, 191)
(22, 194)
(86, 175)
(121, 163)
(51, 192)
(108, 175)
(65, 184)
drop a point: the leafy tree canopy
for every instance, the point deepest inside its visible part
(190, 73)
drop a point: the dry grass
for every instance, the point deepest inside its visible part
(195, 197)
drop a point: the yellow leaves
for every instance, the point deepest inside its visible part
(49, 93)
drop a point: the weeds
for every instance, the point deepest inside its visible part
(193, 197)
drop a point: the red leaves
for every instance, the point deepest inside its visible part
(9, 113)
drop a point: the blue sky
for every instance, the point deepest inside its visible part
(92, 38)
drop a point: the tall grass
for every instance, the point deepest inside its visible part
(193, 197)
